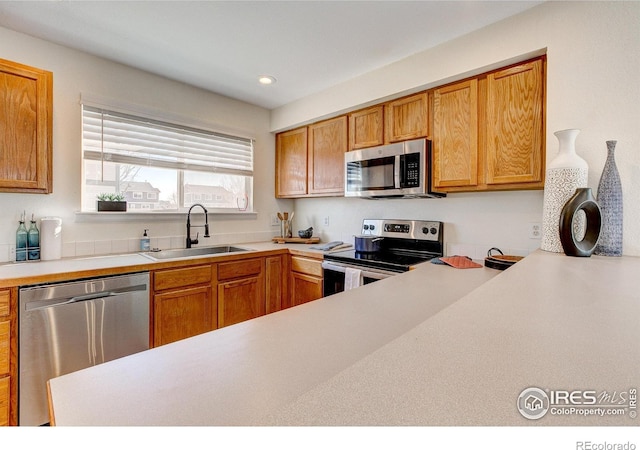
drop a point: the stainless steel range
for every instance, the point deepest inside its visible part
(402, 244)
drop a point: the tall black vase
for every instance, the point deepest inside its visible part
(582, 200)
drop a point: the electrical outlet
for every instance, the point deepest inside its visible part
(535, 230)
(274, 220)
(326, 221)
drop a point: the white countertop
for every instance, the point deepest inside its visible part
(434, 346)
(23, 271)
(39, 268)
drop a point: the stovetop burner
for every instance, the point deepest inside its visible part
(397, 262)
(405, 243)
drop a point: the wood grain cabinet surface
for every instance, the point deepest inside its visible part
(276, 283)
(455, 135)
(515, 125)
(406, 118)
(310, 160)
(291, 163)
(327, 146)
(366, 128)
(241, 291)
(26, 117)
(488, 131)
(306, 282)
(5, 359)
(183, 303)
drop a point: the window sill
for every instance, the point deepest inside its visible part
(105, 216)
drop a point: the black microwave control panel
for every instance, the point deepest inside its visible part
(410, 170)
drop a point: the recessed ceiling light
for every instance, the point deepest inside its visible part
(266, 79)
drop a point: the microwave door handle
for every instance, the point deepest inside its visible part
(396, 172)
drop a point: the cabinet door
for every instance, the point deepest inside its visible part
(291, 163)
(327, 146)
(25, 128)
(275, 283)
(5, 337)
(515, 135)
(305, 288)
(366, 128)
(455, 135)
(183, 313)
(240, 300)
(5, 383)
(406, 118)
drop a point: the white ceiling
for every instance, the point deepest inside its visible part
(223, 46)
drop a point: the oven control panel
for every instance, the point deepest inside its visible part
(404, 229)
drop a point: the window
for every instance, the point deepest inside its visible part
(173, 165)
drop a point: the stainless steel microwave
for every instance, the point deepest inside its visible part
(402, 169)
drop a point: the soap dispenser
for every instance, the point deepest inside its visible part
(145, 242)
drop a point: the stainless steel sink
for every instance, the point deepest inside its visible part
(194, 251)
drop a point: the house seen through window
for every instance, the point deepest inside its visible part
(160, 166)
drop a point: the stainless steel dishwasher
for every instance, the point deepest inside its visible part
(66, 327)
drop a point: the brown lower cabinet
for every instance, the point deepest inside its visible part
(5, 353)
(241, 291)
(183, 303)
(191, 300)
(306, 280)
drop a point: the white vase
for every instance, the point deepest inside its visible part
(565, 173)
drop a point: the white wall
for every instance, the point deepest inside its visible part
(593, 68)
(75, 73)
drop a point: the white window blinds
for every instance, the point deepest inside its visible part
(122, 138)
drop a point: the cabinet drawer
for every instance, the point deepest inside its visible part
(186, 276)
(5, 330)
(4, 401)
(239, 269)
(5, 296)
(306, 265)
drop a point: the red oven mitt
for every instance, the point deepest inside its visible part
(460, 262)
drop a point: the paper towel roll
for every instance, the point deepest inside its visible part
(50, 238)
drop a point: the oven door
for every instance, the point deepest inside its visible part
(334, 276)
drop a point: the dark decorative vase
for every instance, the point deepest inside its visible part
(610, 202)
(582, 200)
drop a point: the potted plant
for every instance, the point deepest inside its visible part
(111, 202)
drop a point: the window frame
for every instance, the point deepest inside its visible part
(180, 123)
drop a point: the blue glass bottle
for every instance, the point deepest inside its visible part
(21, 241)
(33, 242)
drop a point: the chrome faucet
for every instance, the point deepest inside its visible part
(206, 225)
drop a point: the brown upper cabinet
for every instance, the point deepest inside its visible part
(327, 146)
(406, 118)
(515, 139)
(310, 160)
(291, 163)
(455, 135)
(488, 132)
(398, 120)
(26, 117)
(366, 128)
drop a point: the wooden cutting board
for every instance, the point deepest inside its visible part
(292, 240)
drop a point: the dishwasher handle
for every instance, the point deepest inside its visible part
(42, 304)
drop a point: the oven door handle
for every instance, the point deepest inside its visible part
(374, 274)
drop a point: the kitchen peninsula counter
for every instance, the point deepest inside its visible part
(433, 346)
